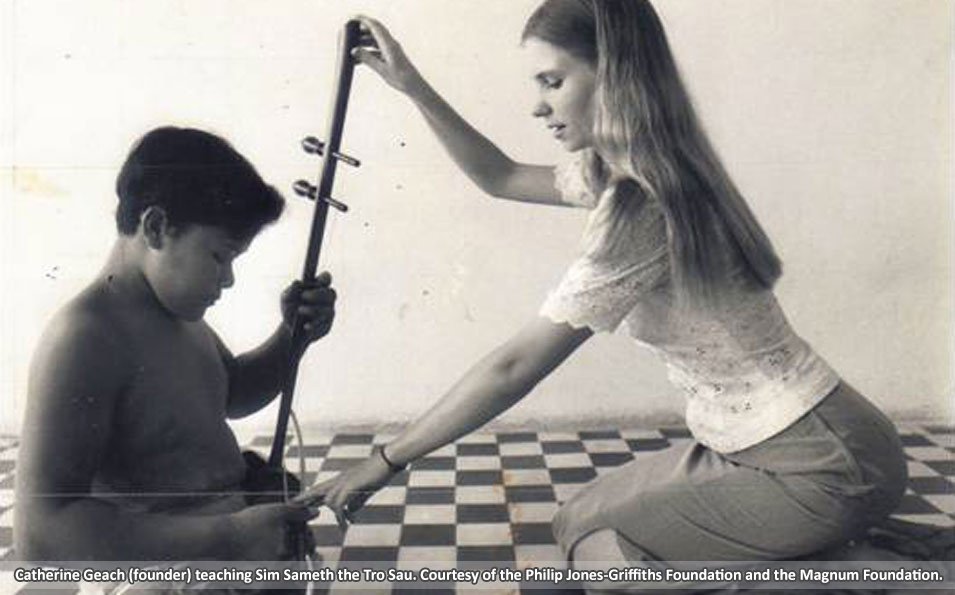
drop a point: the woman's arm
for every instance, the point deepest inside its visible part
(487, 166)
(495, 384)
(479, 158)
(492, 386)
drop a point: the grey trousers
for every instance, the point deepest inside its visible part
(822, 481)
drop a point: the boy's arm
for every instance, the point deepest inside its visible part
(256, 377)
(78, 375)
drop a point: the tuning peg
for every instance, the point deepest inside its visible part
(305, 188)
(309, 190)
(334, 203)
(313, 146)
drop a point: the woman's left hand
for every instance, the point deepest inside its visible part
(347, 492)
(383, 54)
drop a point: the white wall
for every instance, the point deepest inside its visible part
(835, 118)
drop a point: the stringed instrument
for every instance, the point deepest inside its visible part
(321, 193)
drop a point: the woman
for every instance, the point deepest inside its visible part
(788, 459)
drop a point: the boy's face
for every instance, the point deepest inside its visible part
(191, 268)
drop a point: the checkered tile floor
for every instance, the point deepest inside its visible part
(490, 497)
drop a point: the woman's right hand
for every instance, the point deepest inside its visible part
(383, 54)
(347, 492)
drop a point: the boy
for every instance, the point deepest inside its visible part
(125, 452)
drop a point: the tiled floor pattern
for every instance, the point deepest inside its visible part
(490, 497)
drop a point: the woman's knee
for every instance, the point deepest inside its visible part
(574, 519)
(561, 525)
(601, 546)
(603, 551)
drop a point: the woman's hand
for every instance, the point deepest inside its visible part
(383, 54)
(347, 492)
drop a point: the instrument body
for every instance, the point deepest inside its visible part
(322, 193)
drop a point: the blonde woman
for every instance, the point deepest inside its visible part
(788, 459)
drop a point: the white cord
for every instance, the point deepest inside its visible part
(309, 561)
(301, 445)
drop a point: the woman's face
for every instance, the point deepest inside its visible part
(566, 86)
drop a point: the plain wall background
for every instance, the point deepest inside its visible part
(834, 117)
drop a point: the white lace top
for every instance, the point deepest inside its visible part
(746, 375)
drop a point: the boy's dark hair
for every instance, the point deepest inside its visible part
(197, 178)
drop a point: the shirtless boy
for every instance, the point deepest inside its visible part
(125, 451)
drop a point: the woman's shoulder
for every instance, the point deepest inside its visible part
(626, 226)
(574, 181)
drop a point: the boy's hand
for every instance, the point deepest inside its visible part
(313, 304)
(264, 532)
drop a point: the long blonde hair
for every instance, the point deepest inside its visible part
(647, 128)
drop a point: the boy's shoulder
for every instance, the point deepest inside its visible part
(114, 334)
(91, 314)
(87, 329)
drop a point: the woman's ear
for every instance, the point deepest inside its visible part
(154, 224)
